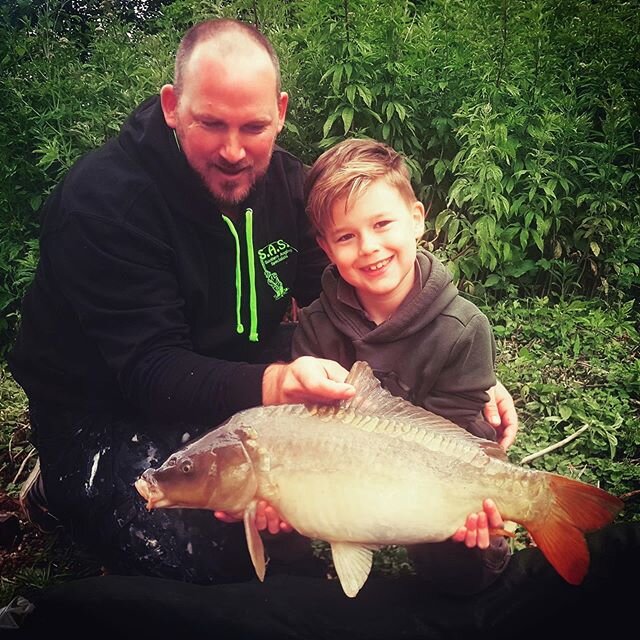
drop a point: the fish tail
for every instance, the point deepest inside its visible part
(576, 508)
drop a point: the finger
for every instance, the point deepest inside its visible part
(494, 519)
(472, 533)
(460, 535)
(482, 541)
(225, 517)
(508, 436)
(285, 527)
(273, 520)
(327, 382)
(261, 518)
(490, 411)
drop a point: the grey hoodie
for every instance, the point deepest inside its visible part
(437, 350)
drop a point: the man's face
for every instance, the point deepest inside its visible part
(227, 118)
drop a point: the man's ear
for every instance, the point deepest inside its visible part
(169, 103)
(283, 101)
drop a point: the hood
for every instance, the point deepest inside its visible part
(146, 137)
(435, 293)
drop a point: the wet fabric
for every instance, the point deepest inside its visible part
(89, 463)
(529, 601)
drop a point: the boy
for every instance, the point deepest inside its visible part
(394, 306)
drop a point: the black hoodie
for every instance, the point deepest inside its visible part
(146, 296)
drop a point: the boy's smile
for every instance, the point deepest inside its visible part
(372, 242)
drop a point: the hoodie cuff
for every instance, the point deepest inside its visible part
(244, 389)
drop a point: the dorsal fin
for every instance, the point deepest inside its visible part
(398, 417)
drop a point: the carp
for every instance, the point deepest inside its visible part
(372, 471)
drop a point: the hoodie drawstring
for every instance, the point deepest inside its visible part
(251, 260)
(253, 298)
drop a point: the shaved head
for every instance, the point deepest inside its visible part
(227, 38)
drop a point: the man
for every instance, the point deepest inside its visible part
(168, 258)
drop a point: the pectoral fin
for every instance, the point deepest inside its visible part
(254, 541)
(353, 564)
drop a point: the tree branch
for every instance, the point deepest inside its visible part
(555, 446)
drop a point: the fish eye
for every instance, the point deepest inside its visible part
(186, 466)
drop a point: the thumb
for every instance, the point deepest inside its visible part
(490, 411)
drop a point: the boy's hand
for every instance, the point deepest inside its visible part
(500, 413)
(477, 530)
(266, 518)
(306, 379)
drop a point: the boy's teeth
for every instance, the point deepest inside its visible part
(378, 265)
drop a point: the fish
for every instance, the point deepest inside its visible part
(369, 472)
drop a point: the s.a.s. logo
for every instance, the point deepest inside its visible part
(270, 256)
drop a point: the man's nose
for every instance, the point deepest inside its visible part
(233, 149)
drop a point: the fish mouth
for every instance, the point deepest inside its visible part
(150, 491)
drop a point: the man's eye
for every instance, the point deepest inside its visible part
(254, 128)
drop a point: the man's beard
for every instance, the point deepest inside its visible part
(227, 194)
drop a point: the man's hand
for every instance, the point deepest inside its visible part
(500, 413)
(266, 518)
(477, 530)
(306, 379)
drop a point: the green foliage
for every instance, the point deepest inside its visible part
(15, 449)
(63, 91)
(572, 365)
(519, 119)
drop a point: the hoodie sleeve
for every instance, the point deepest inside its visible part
(121, 284)
(460, 391)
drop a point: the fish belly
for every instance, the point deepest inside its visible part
(345, 485)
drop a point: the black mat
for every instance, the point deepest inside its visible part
(530, 600)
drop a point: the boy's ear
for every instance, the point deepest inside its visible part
(418, 218)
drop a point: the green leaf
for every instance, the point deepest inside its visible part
(337, 78)
(365, 94)
(565, 411)
(328, 123)
(347, 118)
(440, 170)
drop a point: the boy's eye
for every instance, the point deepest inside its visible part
(383, 223)
(344, 237)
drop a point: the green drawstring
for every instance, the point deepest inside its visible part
(234, 233)
(253, 299)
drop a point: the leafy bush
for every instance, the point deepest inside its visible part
(519, 119)
(574, 367)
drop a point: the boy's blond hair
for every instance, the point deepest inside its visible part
(346, 170)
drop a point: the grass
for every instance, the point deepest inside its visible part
(572, 367)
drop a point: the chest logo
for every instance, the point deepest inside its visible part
(270, 256)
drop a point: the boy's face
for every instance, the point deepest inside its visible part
(373, 245)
